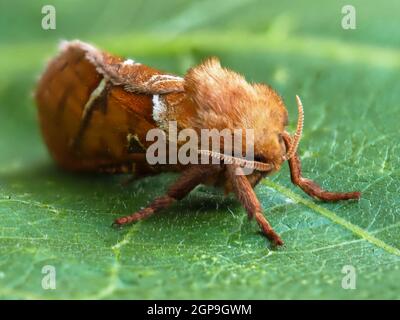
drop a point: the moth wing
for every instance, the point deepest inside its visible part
(91, 116)
(131, 75)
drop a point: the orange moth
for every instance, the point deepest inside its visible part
(95, 110)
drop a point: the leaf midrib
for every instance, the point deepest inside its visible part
(359, 232)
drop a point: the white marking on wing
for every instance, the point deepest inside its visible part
(159, 109)
(93, 96)
(130, 62)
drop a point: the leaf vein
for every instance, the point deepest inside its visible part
(333, 217)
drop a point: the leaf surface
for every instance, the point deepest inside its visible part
(204, 247)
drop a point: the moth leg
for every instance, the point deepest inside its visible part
(127, 181)
(247, 197)
(309, 186)
(189, 179)
(138, 173)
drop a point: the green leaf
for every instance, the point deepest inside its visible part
(204, 246)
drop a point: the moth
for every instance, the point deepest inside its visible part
(96, 108)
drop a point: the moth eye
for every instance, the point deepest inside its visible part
(259, 158)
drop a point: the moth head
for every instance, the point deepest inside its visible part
(226, 100)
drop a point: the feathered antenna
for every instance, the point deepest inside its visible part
(299, 130)
(261, 166)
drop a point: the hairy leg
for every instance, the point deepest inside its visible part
(247, 197)
(188, 180)
(309, 186)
